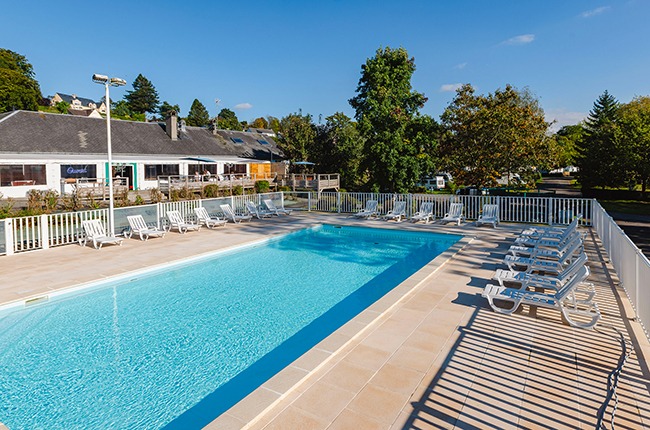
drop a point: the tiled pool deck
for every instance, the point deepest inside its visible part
(429, 354)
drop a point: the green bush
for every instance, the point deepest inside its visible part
(211, 190)
(138, 200)
(237, 190)
(284, 188)
(262, 187)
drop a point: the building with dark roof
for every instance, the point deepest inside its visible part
(42, 150)
(77, 103)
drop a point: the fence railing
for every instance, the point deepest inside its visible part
(633, 268)
(631, 265)
(45, 231)
(540, 210)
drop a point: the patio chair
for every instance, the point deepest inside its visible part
(564, 300)
(424, 214)
(230, 214)
(490, 215)
(455, 214)
(203, 217)
(177, 222)
(525, 279)
(139, 226)
(546, 264)
(549, 238)
(551, 232)
(397, 213)
(255, 211)
(544, 247)
(370, 210)
(274, 209)
(94, 231)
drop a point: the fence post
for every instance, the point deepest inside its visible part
(308, 201)
(637, 283)
(45, 236)
(338, 201)
(9, 236)
(549, 208)
(158, 214)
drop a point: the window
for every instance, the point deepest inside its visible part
(229, 169)
(237, 140)
(78, 171)
(202, 168)
(262, 142)
(22, 174)
(152, 171)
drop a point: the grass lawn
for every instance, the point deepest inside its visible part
(634, 207)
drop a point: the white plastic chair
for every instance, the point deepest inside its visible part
(370, 210)
(94, 231)
(274, 209)
(424, 214)
(203, 217)
(230, 214)
(455, 214)
(255, 211)
(397, 213)
(490, 215)
(177, 222)
(140, 227)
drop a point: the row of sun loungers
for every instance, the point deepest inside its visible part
(490, 214)
(547, 267)
(95, 233)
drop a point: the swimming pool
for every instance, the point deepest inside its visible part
(179, 347)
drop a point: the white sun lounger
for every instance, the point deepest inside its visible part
(177, 222)
(424, 214)
(563, 300)
(203, 217)
(231, 215)
(547, 239)
(274, 209)
(553, 265)
(551, 232)
(455, 214)
(255, 211)
(525, 280)
(490, 215)
(94, 231)
(544, 248)
(398, 213)
(370, 210)
(139, 226)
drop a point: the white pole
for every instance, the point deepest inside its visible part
(111, 216)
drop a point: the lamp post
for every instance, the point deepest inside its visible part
(109, 82)
(216, 102)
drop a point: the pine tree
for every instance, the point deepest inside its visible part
(598, 161)
(228, 120)
(144, 97)
(198, 115)
(166, 109)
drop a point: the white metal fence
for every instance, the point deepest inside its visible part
(632, 267)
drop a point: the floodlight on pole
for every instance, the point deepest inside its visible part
(109, 82)
(216, 102)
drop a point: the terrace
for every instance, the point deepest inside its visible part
(429, 354)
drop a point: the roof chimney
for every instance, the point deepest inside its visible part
(171, 126)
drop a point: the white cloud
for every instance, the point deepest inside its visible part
(448, 88)
(522, 39)
(243, 106)
(460, 66)
(594, 12)
(563, 117)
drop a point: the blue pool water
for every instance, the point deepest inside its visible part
(177, 348)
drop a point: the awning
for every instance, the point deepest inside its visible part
(199, 159)
(304, 163)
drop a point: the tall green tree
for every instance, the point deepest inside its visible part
(297, 135)
(166, 109)
(274, 123)
(598, 155)
(198, 115)
(634, 120)
(18, 86)
(144, 97)
(121, 110)
(338, 148)
(488, 136)
(385, 105)
(260, 122)
(228, 120)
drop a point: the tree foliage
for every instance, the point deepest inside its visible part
(338, 147)
(18, 86)
(486, 137)
(598, 152)
(564, 146)
(121, 110)
(386, 106)
(62, 106)
(228, 120)
(144, 97)
(260, 122)
(634, 119)
(198, 115)
(166, 109)
(297, 135)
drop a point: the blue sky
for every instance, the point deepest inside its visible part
(275, 57)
